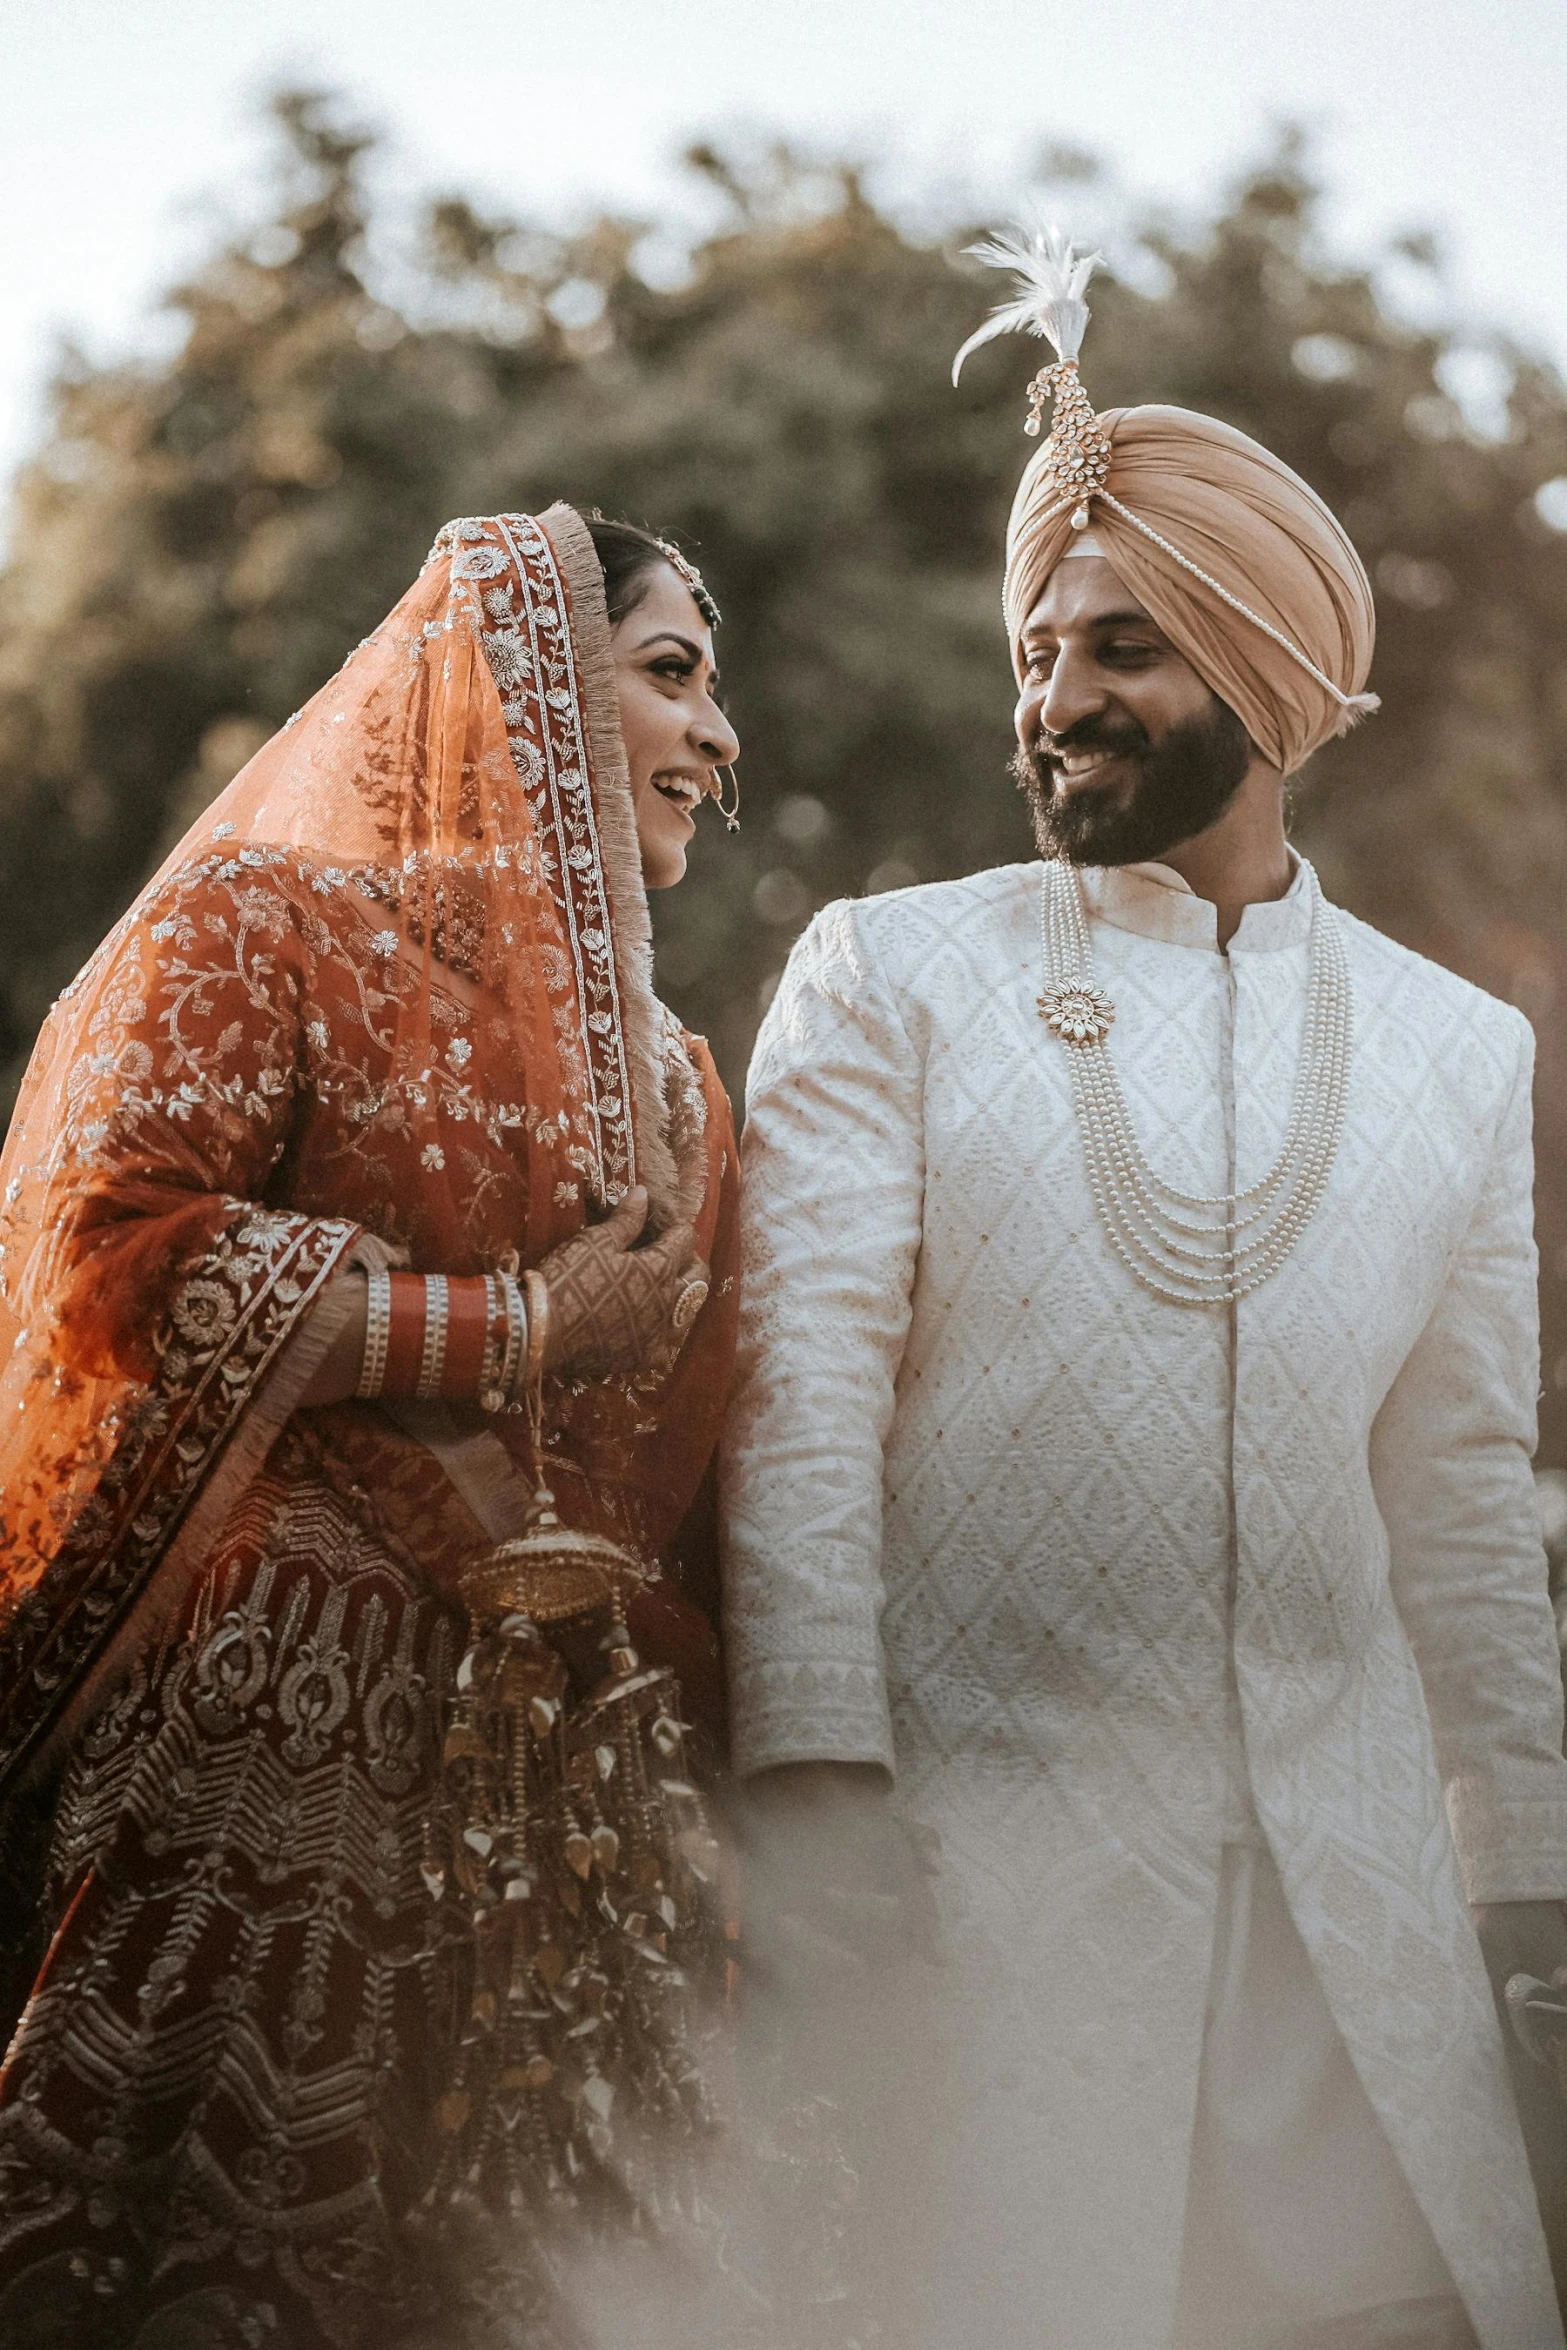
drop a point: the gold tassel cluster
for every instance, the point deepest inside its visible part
(571, 1837)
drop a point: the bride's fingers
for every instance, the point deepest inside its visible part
(623, 1225)
(670, 1258)
(673, 1282)
(613, 1306)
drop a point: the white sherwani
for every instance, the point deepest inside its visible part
(1117, 1582)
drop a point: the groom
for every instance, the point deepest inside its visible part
(1132, 1452)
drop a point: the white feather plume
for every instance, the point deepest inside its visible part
(1052, 280)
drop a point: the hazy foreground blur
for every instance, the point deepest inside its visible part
(201, 541)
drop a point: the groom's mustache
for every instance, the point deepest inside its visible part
(1121, 737)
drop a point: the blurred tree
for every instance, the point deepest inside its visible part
(199, 542)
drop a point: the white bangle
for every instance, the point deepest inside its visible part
(378, 1334)
(516, 1336)
(489, 1360)
(432, 1358)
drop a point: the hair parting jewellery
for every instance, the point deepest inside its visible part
(1075, 460)
(701, 593)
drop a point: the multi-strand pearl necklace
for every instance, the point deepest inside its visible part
(1189, 1247)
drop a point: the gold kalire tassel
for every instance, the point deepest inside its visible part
(569, 1834)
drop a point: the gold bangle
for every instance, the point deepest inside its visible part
(538, 1296)
(432, 1358)
(378, 1336)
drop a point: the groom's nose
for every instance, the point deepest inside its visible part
(1072, 693)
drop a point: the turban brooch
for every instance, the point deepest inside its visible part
(1237, 559)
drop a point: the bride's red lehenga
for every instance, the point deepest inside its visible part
(392, 994)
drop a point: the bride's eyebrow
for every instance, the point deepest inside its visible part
(693, 652)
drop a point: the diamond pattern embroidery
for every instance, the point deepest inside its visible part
(1055, 1542)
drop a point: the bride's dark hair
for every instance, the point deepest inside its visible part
(627, 556)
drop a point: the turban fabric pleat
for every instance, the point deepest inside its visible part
(1257, 529)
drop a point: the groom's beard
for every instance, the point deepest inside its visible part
(1181, 784)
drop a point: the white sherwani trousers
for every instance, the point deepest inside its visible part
(1117, 1584)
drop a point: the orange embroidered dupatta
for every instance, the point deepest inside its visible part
(392, 994)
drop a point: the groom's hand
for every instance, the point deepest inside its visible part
(1521, 1938)
(837, 1877)
(1526, 1941)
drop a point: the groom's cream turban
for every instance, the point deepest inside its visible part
(1232, 511)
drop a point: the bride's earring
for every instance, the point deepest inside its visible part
(730, 815)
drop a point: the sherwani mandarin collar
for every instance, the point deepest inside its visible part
(1153, 901)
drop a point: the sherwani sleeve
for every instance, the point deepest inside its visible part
(1451, 1453)
(832, 1195)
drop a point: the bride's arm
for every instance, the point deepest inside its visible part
(611, 1303)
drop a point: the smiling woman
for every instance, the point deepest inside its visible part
(324, 1213)
(676, 736)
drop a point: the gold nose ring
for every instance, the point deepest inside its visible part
(730, 815)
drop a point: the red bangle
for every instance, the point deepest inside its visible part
(475, 1335)
(467, 1338)
(406, 1344)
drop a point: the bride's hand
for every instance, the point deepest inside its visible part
(612, 1304)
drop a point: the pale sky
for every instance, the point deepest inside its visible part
(127, 126)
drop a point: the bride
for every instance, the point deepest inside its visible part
(363, 1131)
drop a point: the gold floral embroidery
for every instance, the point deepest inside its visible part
(263, 1272)
(544, 729)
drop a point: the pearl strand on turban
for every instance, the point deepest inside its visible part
(1205, 527)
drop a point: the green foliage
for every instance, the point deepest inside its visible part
(199, 542)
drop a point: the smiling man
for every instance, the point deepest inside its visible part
(1132, 1453)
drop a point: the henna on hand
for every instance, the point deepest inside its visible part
(612, 1304)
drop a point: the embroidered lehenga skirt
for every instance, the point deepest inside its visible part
(217, 2107)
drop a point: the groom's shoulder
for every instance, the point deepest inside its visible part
(1398, 988)
(901, 931)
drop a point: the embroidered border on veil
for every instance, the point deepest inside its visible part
(415, 790)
